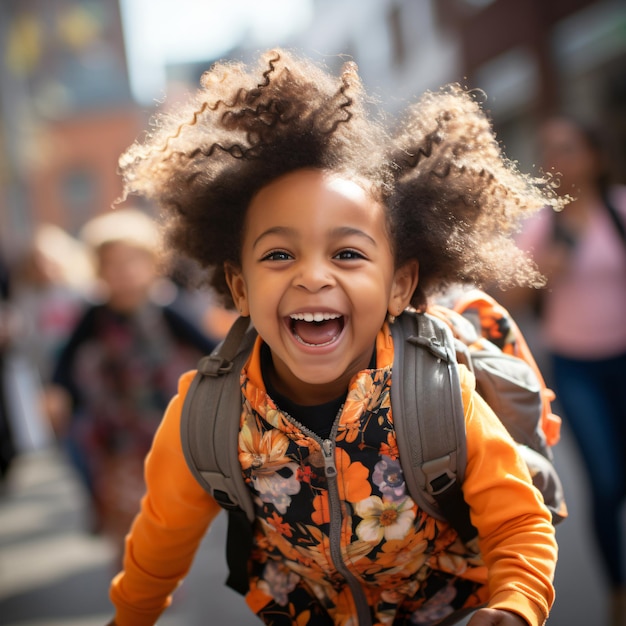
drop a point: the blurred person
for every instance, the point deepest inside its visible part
(119, 367)
(53, 280)
(51, 283)
(582, 252)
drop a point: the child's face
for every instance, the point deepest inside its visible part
(315, 246)
(565, 149)
(128, 272)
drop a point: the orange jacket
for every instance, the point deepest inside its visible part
(325, 543)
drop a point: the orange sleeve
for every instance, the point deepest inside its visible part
(175, 514)
(516, 535)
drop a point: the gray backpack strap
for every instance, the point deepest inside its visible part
(210, 435)
(210, 444)
(428, 416)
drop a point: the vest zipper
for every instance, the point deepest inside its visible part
(334, 503)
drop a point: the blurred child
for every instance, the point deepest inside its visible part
(52, 282)
(119, 367)
(318, 224)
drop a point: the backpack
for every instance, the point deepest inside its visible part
(428, 414)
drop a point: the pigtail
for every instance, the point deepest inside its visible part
(458, 199)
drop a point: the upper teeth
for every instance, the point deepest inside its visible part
(314, 317)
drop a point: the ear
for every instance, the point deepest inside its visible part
(238, 290)
(404, 283)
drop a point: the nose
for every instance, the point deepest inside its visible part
(313, 275)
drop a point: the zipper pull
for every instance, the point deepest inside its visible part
(329, 462)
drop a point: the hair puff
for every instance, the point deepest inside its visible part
(453, 199)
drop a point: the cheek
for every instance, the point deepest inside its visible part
(370, 299)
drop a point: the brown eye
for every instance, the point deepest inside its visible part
(277, 255)
(348, 255)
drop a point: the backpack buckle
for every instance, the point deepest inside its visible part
(225, 501)
(432, 344)
(438, 474)
(214, 365)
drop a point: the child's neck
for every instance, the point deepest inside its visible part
(318, 418)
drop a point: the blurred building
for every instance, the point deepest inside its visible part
(66, 112)
(531, 57)
(538, 57)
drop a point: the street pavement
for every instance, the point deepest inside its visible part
(53, 573)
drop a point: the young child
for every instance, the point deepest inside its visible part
(318, 224)
(118, 368)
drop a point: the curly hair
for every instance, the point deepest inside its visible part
(453, 200)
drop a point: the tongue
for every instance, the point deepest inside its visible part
(317, 333)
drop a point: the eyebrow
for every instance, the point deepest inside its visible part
(341, 231)
(276, 230)
(344, 231)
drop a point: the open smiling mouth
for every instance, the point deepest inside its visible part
(316, 329)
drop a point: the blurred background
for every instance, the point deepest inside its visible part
(79, 77)
(79, 80)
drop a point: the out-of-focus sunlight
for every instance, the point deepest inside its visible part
(158, 32)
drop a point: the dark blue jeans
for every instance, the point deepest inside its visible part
(592, 395)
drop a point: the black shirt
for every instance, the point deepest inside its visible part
(318, 417)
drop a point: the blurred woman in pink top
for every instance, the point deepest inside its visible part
(582, 252)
